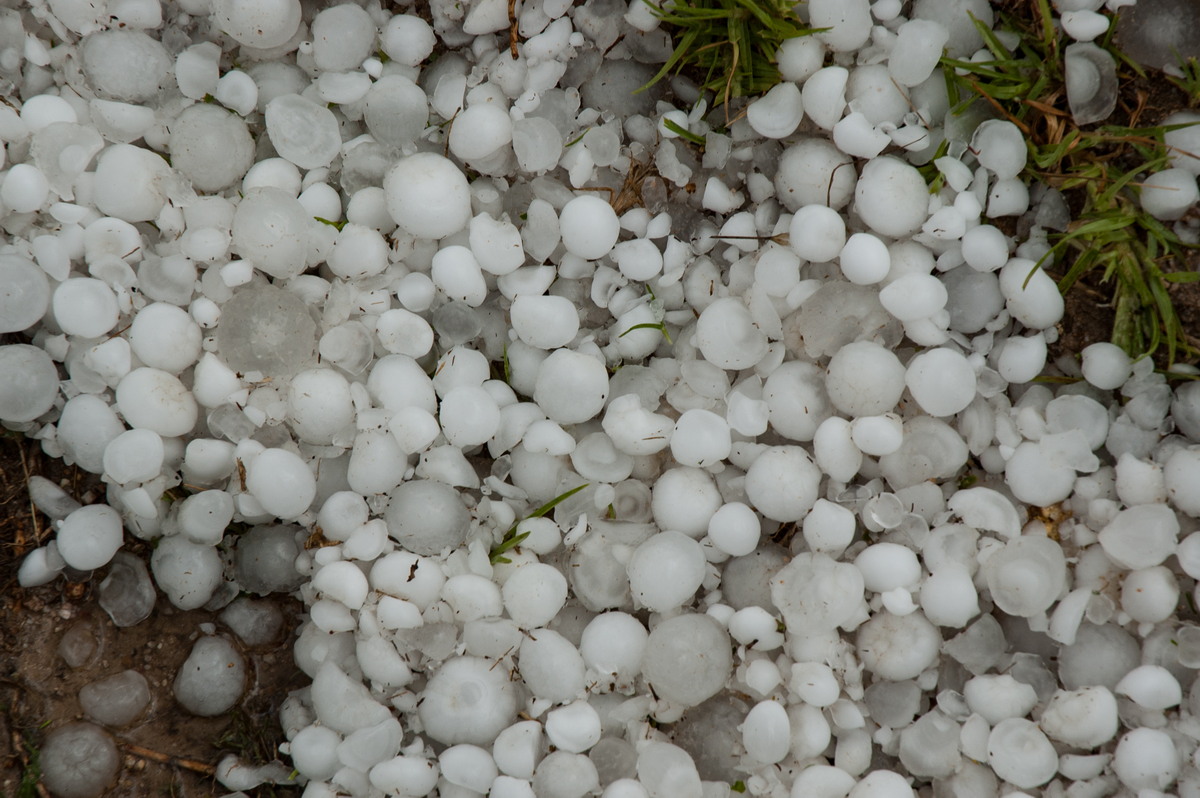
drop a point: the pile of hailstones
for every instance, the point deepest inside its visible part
(802, 549)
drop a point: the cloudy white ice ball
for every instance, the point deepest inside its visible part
(427, 195)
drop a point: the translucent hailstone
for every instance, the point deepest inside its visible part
(343, 36)
(1146, 759)
(915, 54)
(90, 536)
(468, 766)
(727, 335)
(1035, 478)
(85, 306)
(589, 227)
(1027, 575)
(1140, 537)
(1168, 194)
(571, 387)
(544, 322)
(849, 24)
(551, 666)
(574, 727)
(24, 189)
(78, 760)
(815, 592)
(1020, 754)
(266, 329)
(782, 483)
(941, 380)
(212, 679)
(666, 570)
(533, 594)
(395, 110)
(735, 529)
(188, 573)
(898, 647)
(125, 65)
(164, 336)
(467, 700)
(1000, 147)
(1091, 82)
(1149, 595)
(211, 147)
(24, 294)
(865, 379)
(117, 700)
(1106, 365)
(930, 747)
(302, 131)
(127, 593)
(814, 172)
(1151, 686)
(270, 229)
(156, 400)
(427, 517)
(85, 428)
(34, 394)
(688, 659)
(891, 197)
(263, 25)
(265, 559)
(407, 39)
(427, 195)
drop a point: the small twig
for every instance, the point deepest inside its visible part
(167, 759)
(513, 36)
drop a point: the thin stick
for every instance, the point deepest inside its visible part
(167, 759)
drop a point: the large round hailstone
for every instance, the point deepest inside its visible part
(188, 573)
(1146, 759)
(666, 571)
(685, 499)
(24, 294)
(79, 760)
(1084, 718)
(533, 594)
(302, 131)
(427, 196)
(34, 394)
(281, 482)
(816, 592)
(265, 559)
(1027, 575)
(343, 36)
(898, 647)
(261, 24)
(815, 172)
(865, 379)
(796, 400)
(395, 110)
(782, 483)
(1035, 478)
(468, 700)
(85, 306)
(817, 233)
(727, 335)
(268, 330)
(427, 517)
(1106, 365)
(942, 381)
(1168, 194)
(614, 643)
(156, 400)
(90, 536)
(777, 113)
(551, 666)
(589, 227)
(1141, 537)
(211, 147)
(544, 322)
(571, 387)
(135, 455)
(479, 132)
(212, 679)
(85, 428)
(687, 659)
(891, 197)
(701, 438)
(999, 146)
(165, 336)
(270, 229)
(125, 65)
(320, 405)
(469, 416)
(129, 183)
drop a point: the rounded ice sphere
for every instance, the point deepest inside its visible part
(666, 571)
(1168, 194)
(127, 593)
(1146, 759)
(1030, 294)
(848, 23)
(319, 405)
(469, 416)
(865, 259)
(782, 483)
(817, 233)
(684, 499)
(427, 517)
(767, 732)
(262, 24)
(79, 760)
(116, 701)
(34, 394)
(533, 594)
(266, 329)
(1000, 147)
(1020, 754)
(129, 183)
(799, 58)
(614, 643)
(829, 527)
(479, 132)
(571, 387)
(776, 114)
(999, 696)
(165, 337)
(814, 172)
(1035, 479)
(1180, 476)
(919, 44)
(427, 195)
(941, 380)
(574, 727)
(727, 335)
(589, 227)
(887, 566)
(212, 679)
(265, 559)
(85, 306)
(1140, 537)
(898, 647)
(396, 111)
(85, 428)
(404, 775)
(204, 516)
(891, 197)
(564, 775)
(188, 573)
(1149, 595)
(1027, 575)
(1084, 718)
(24, 188)
(407, 39)
(90, 536)
(24, 294)
(688, 659)
(985, 248)
(877, 435)
(343, 36)
(735, 529)
(135, 455)
(948, 596)
(864, 379)
(1152, 687)
(211, 147)
(456, 272)
(544, 322)
(125, 65)
(1106, 365)
(467, 700)
(701, 438)
(314, 752)
(270, 229)
(155, 400)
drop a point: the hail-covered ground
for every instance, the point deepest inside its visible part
(334, 299)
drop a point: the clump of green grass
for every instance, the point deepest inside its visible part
(1097, 168)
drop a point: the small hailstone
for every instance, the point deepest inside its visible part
(999, 696)
(942, 381)
(891, 197)
(824, 95)
(766, 732)
(212, 679)
(1146, 759)
(1027, 575)
(85, 306)
(1151, 686)
(915, 54)
(544, 322)
(589, 227)
(156, 400)
(877, 435)
(864, 379)
(574, 727)
(701, 438)
(898, 647)
(756, 628)
(1106, 366)
(534, 594)
(1020, 753)
(777, 113)
(864, 259)
(782, 483)
(1166, 195)
(886, 566)
(281, 482)
(571, 387)
(1141, 536)
(829, 527)
(456, 272)
(468, 766)
(468, 701)
(735, 529)
(479, 132)
(948, 597)
(614, 643)
(1085, 718)
(427, 195)
(815, 683)
(666, 570)
(1149, 595)
(727, 335)
(90, 536)
(817, 233)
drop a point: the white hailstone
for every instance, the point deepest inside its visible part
(1181, 474)
(24, 293)
(468, 766)
(685, 500)
(766, 732)
(824, 95)
(814, 172)
(496, 244)
(735, 529)
(835, 450)
(358, 252)
(135, 455)
(815, 683)
(574, 727)
(479, 132)
(815, 592)
(915, 53)
(898, 647)
(40, 567)
(468, 416)
(533, 594)
(457, 274)
(985, 248)
(1019, 753)
(551, 667)
(407, 39)
(782, 483)
(342, 36)
(823, 780)
(1084, 718)
(24, 188)
(635, 430)
(210, 146)
(85, 306)
(467, 700)
(472, 597)
(776, 114)
(1183, 143)
(281, 482)
(571, 387)
(518, 748)
(408, 776)
(427, 195)
(1035, 479)
(1165, 195)
(777, 271)
(865, 259)
(1027, 575)
(887, 566)
(314, 752)
(204, 516)
(614, 643)
(270, 229)
(891, 197)
(188, 573)
(882, 784)
(1022, 358)
(85, 428)
(727, 335)
(829, 527)
(817, 233)
(1149, 595)
(666, 570)
(688, 659)
(155, 400)
(544, 322)
(1140, 537)
(342, 581)
(865, 379)
(1151, 686)
(948, 596)
(1146, 759)
(1106, 366)
(128, 183)
(90, 536)
(796, 400)
(877, 435)
(1031, 295)
(264, 24)
(941, 380)
(1000, 147)
(999, 696)
(855, 135)
(756, 628)
(409, 577)
(849, 23)
(913, 296)
(319, 405)
(701, 438)
(164, 336)
(799, 58)
(589, 227)
(303, 131)
(638, 259)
